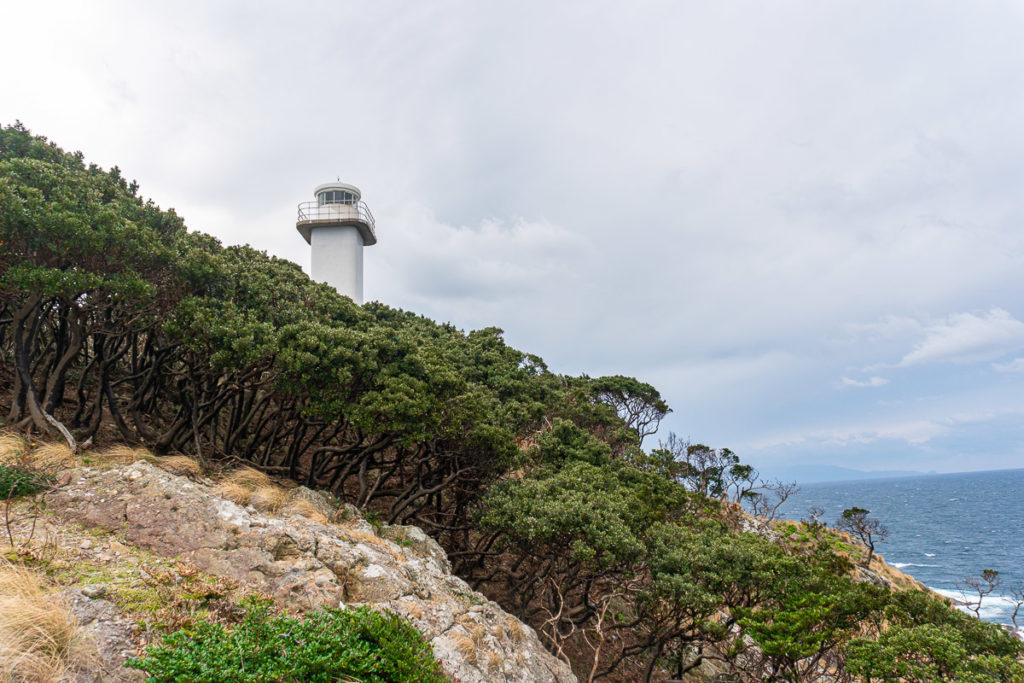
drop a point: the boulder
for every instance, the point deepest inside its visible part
(305, 564)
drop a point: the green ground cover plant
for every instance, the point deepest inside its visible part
(324, 646)
(21, 480)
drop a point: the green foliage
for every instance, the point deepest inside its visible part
(20, 480)
(638, 404)
(928, 640)
(928, 652)
(708, 471)
(328, 645)
(565, 443)
(869, 530)
(918, 653)
(810, 615)
(598, 512)
(738, 569)
(917, 608)
(69, 230)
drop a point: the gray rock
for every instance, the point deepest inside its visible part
(305, 564)
(94, 591)
(107, 631)
(416, 540)
(320, 501)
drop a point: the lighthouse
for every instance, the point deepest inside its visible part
(337, 225)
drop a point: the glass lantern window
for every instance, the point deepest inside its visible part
(336, 197)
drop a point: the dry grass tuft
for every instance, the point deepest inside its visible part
(515, 630)
(304, 508)
(476, 630)
(493, 662)
(39, 637)
(55, 457)
(269, 498)
(465, 646)
(249, 477)
(181, 465)
(49, 457)
(52, 457)
(248, 486)
(412, 609)
(120, 455)
(233, 492)
(13, 449)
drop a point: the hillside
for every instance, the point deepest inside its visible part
(137, 552)
(120, 328)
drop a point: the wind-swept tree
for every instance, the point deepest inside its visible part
(638, 404)
(869, 530)
(981, 586)
(85, 264)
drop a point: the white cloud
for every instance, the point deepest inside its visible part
(914, 432)
(968, 338)
(1015, 365)
(500, 262)
(872, 382)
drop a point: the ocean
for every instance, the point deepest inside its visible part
(942, 527)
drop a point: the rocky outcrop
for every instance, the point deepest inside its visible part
(109, 631)
(305, 564)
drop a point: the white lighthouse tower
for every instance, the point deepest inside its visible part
(337, 226)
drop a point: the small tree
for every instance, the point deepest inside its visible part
(1017, 598)
(869, 530)
(981, 586)
(767, 507)
(711, 472)
(638, 404)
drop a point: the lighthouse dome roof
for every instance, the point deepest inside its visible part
(344, 187)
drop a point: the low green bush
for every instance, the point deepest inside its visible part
(326, 645)
(20, 480)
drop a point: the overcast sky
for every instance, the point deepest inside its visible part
(801, 221)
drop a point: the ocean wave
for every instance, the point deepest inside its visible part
(903, 565)
(993, 607)
(929, 554)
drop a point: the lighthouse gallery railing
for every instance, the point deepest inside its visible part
(314, 211)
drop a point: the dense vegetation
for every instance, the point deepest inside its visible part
(116, 323)
(324, 646)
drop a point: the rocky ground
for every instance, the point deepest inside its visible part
(139, 548)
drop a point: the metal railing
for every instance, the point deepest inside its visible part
(314, 211)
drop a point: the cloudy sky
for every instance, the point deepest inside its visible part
(801, 221)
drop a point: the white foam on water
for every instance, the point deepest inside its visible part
(929, 554)
(902, 565)
(993, 607)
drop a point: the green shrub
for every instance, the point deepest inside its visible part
(327, 645)
(19, 480)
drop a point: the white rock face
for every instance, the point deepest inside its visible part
(305, 565)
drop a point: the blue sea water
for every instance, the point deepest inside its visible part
(942, 527)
